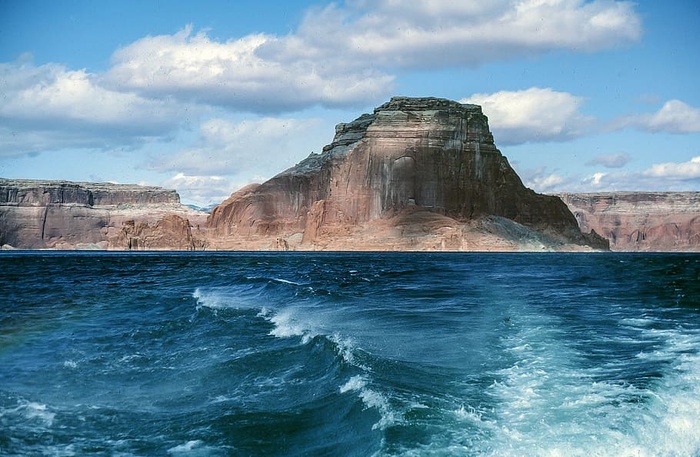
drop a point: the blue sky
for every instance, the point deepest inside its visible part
(205, 97)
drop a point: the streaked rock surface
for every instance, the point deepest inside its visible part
(413, 156)
(640, 221)
(38, 214)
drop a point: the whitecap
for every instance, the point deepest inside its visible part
(288, 325)
(34, 411)
(355, 383)
(286, 281)
(373, 399)
(226, 298)
(185, 448)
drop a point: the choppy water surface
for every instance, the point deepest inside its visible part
(349, 354)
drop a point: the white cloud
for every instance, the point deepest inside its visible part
(262, 147)
(668, 176)
(618, 160)
(674, 116)
(201, 190)
(545, 183)
(540, 179)
(597, 178)
(406, 33)
(343, 54)
(233, 74)
(679, 171)
(532, 115)
(51, 107)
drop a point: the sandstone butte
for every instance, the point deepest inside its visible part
(416, 174)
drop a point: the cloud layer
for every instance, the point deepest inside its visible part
(532, 115)
(409, 34)
(193, 67)
(674, 116)
(341, 55)
(50, 107)
(665, 176)
(226, 147)
(618, 160)
(347, 54)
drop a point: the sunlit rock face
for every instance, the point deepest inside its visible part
(411, 154)
(68, 215)
(641, 221)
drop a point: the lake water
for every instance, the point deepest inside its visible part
(344, 354)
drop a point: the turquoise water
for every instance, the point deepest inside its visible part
(249, 354)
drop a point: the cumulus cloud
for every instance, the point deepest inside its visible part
(618, 160)
(52, 107)
(192, 66)
(259, 147)
(409, 34)
(344, 54)
(532, 115)
(541, 179)
(683, 171)
(674, 116)
(667, 176)
(202, 190)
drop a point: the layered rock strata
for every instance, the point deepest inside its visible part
(411, 157)
(69, 215)
(640, 221)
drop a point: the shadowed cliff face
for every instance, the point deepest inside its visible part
(426, 153)
(27, 192)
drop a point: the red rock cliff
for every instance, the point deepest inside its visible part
(68, 215)
(411, 154)
(641, 221)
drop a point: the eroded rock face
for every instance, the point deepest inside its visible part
(172, 232)
(68, 215)
(641, 221)
(426, 153)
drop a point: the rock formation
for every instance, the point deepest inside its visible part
(418, 173)
(641, 221)
(69, 215)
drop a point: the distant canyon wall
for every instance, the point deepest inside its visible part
(64, 215)
(640, 221)
(68, 215)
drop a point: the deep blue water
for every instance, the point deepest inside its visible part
(255, 354)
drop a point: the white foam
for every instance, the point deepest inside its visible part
(357, 382)
(209, 300)
(469, 414)
(32, 411)
(550, 405)
(186, 447)
(373, 399)
(287, 324)
(227, 298)
(286, 281)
